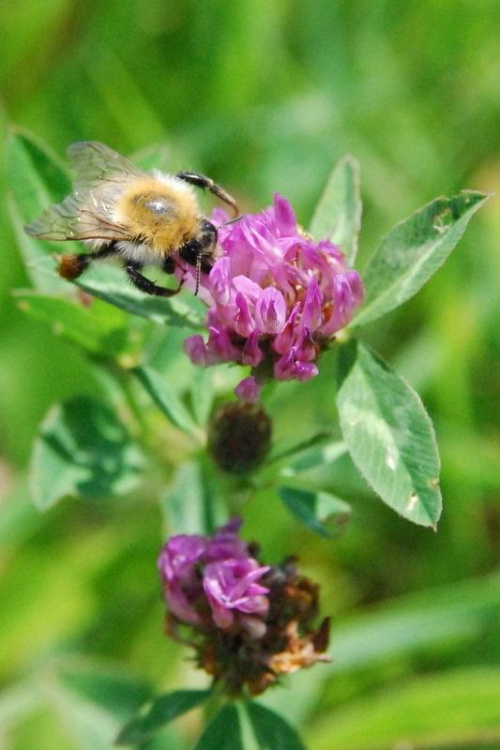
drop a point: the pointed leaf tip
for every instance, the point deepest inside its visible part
(413, 251)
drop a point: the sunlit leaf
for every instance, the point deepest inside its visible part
(414, 251)
(338, 214)
(319, 511)
(389, 435)
(82, 450)
(159, 712)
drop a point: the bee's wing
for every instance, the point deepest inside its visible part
(95, 163)
(77, 219)
(100, 176)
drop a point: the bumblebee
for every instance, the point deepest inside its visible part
(142, 219)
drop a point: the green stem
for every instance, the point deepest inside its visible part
(214, 703)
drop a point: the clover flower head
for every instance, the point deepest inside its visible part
(276, 297)
(249, 623)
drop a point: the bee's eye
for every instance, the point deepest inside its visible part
(160, 206)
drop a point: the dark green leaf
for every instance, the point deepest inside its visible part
(111, 285)
(414, 251)
(82, 450)
(38, 180)
(319, 511)
(159, 712)
(338, 214)
(389, 435)
(271, 730)
(99, 328)
(223, 732)
(164, 396)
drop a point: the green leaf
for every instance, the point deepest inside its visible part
(338, 214)
(82, 450)
(17, 702)
(192, 504)
(223, 732)
(98, 328)
(118, 693)
(389, 435)
(314, 455)
(414, 251)
(271, 730)
(164, 396)
(111, 285)
(434, 711)
(319, 511)
(202, 394)
(38, 180)
(160, 712)
(460, 615)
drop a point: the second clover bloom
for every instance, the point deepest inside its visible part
(277, 297)
(248, 623)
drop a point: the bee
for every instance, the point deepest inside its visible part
(142, 219)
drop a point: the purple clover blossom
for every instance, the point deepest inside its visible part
(231, 587)
(275, 295)
(217, 571)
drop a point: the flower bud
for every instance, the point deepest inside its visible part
(240, 437)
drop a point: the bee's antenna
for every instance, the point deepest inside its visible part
(198, 273)
(231, 221)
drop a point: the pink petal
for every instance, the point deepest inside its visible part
(248, 390)
(270, 311)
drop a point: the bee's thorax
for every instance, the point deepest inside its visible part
(161, 214)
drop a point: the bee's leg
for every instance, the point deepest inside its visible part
(206, 183)
(169, 265)
(72, 266)
(145, 285)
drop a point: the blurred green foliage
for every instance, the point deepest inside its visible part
(265, 97)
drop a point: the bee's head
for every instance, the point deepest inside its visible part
(207, 237)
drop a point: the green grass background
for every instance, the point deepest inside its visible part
(265, 96)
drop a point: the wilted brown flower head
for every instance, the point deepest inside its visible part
(249, 624)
